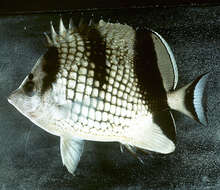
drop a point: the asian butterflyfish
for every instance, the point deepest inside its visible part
(107, 82)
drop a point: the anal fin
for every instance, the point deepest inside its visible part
(71, 151)
(156, 133)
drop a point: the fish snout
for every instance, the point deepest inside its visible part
(12, 96)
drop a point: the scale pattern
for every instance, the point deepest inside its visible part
(100, 106)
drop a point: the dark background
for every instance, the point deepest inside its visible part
(28, 6)
(30, 157)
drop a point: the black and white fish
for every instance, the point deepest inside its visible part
(107, 82)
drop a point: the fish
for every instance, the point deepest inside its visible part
(108, 82)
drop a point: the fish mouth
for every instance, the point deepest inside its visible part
(10, 98)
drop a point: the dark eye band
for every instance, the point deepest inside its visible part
(29, 88)
(30, 76)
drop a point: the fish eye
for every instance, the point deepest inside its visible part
(30, 76)
(29, 88)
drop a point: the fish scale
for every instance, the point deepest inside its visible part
(102, 108)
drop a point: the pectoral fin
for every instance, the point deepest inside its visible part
(71, 151)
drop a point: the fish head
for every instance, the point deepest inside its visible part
(31, 97)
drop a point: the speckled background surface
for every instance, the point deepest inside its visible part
(30, 157)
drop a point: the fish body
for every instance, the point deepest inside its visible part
(107, 82)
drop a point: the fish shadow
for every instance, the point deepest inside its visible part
(111, 169)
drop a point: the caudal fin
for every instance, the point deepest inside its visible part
(189, 98)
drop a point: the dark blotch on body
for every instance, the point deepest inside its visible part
(151, 84)
(97, 56)
(29, 88)
(51, 67)
(147, 72)
(97, 52)
(166, 123)
(30, 76)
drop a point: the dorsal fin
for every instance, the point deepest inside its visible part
(166, 62)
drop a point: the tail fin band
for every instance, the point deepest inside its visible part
(189, 99)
